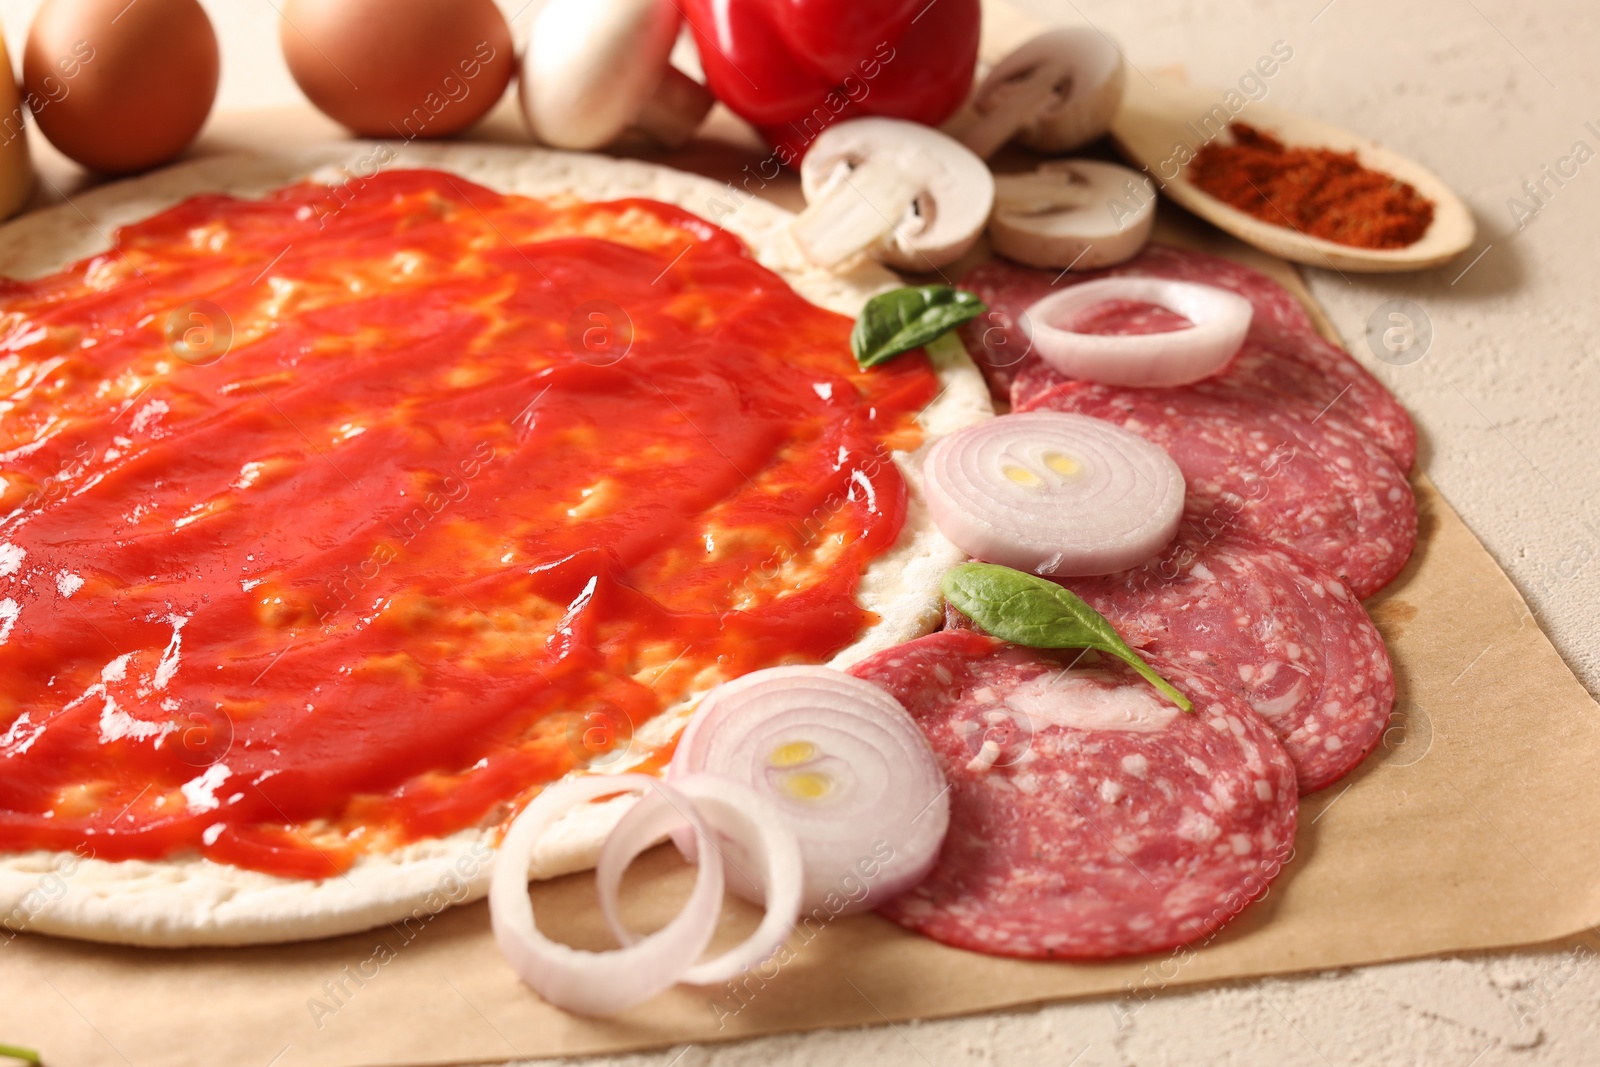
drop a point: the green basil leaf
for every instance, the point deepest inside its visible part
(903, 319)
(26, 1055)
(1028, 610)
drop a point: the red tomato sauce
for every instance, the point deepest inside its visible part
(448, 492)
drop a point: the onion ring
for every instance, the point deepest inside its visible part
(754, 843)
(577, 980)
(1221, 320)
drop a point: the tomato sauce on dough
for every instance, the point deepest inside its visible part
(352, 515)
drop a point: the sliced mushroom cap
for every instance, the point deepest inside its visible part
(1072, 213)
(594, 68)
(1057, 92)
(906, 193)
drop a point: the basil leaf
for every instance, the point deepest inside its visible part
(26, 1055)
(1028, 610)
(903, 319)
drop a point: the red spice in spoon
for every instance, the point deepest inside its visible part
(1317, 191)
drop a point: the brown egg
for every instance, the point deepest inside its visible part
(399, 68)
(120, 87)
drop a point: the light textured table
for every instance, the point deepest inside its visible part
(1487, 93)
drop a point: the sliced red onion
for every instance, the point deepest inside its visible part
(1221, 320)
(577, 980)
(1054, 494)
(754, 842)
(843, 764)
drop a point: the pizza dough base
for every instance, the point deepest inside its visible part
(195, 901)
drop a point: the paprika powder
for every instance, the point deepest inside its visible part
(1316, 191)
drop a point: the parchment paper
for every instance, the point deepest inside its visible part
(1473, 826)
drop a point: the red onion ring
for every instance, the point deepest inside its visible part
(844, 765)
(1221, 320)
(754, 842)
(596, 983)
(1054, 494)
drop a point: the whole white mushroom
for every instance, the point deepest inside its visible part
(596, 68)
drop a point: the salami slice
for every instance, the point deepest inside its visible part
(1128, 317)
(1316, 486)
(1089, 817)
(1284, 363)
(1260, 376)
(1268, 625)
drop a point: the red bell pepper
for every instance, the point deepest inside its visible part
(794, 67)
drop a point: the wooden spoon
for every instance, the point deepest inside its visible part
(1160, 126)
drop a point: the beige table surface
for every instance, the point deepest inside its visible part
(1507, 398)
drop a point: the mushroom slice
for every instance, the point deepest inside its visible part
(595, 68)
(900, 191)
(1057, 92)
(1072, 213)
